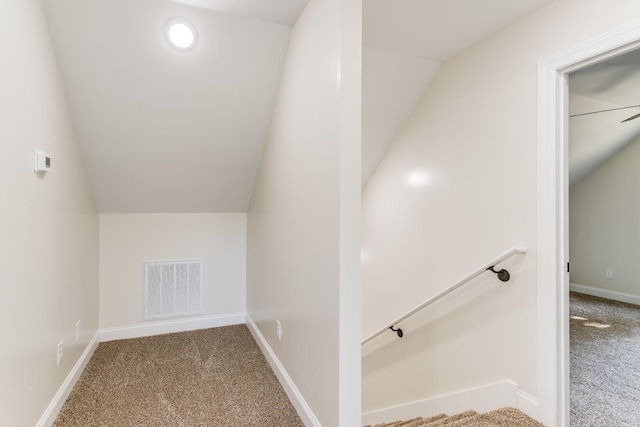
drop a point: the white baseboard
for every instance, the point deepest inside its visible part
(481, 399)
(605, 293)
(527, 404)
(171, 326)
(304, 411)
(50, 414)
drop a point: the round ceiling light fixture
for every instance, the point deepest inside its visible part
(180, 33)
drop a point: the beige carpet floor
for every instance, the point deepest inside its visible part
(505, 417)
(605, 362)
(211, 377)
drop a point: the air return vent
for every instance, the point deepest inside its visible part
(172, 288)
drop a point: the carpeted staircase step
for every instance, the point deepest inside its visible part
(505, 417)
(425, 421)
(404, 423)
(463, 416)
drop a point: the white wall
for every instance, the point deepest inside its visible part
(303, 222)
(392, 85)
(604, 224)
(129, 240)
(473, 136)
(48, 225)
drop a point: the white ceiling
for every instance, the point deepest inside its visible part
(283, 12)
(163, 130)
(169, 131)
(407, 41)
(437, 29)
(392, 85)
(594, 138)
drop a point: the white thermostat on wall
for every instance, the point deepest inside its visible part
(43, 162)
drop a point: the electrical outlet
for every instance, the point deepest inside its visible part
(78, 331)
(278, 330)
(608, 273)
(60, 354)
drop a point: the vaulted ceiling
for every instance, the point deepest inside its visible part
(404, 45)
(163, 130)
(595, 138)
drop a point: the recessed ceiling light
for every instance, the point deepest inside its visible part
(180, 33)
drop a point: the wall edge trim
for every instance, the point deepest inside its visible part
(49, 416)
(171, 326)
(481, 399)
(304, 411)
(553, 281)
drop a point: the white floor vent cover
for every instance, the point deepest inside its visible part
(172, 288)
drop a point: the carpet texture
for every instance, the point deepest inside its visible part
(211, 377)
(605, 362)
(505, 417)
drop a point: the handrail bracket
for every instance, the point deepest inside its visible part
(397, 331)
(503, 274)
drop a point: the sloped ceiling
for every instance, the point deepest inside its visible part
(594, 138)
(405, 43)
(392, 85)
(283, 12)
(437, 29)
(163, 130)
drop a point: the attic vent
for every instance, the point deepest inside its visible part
(172, 289)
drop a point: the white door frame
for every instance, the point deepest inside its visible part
(553, 233)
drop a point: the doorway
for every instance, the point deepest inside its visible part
(603, 155)
(553, 238)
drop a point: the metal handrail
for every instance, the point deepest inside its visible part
(502, 275)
